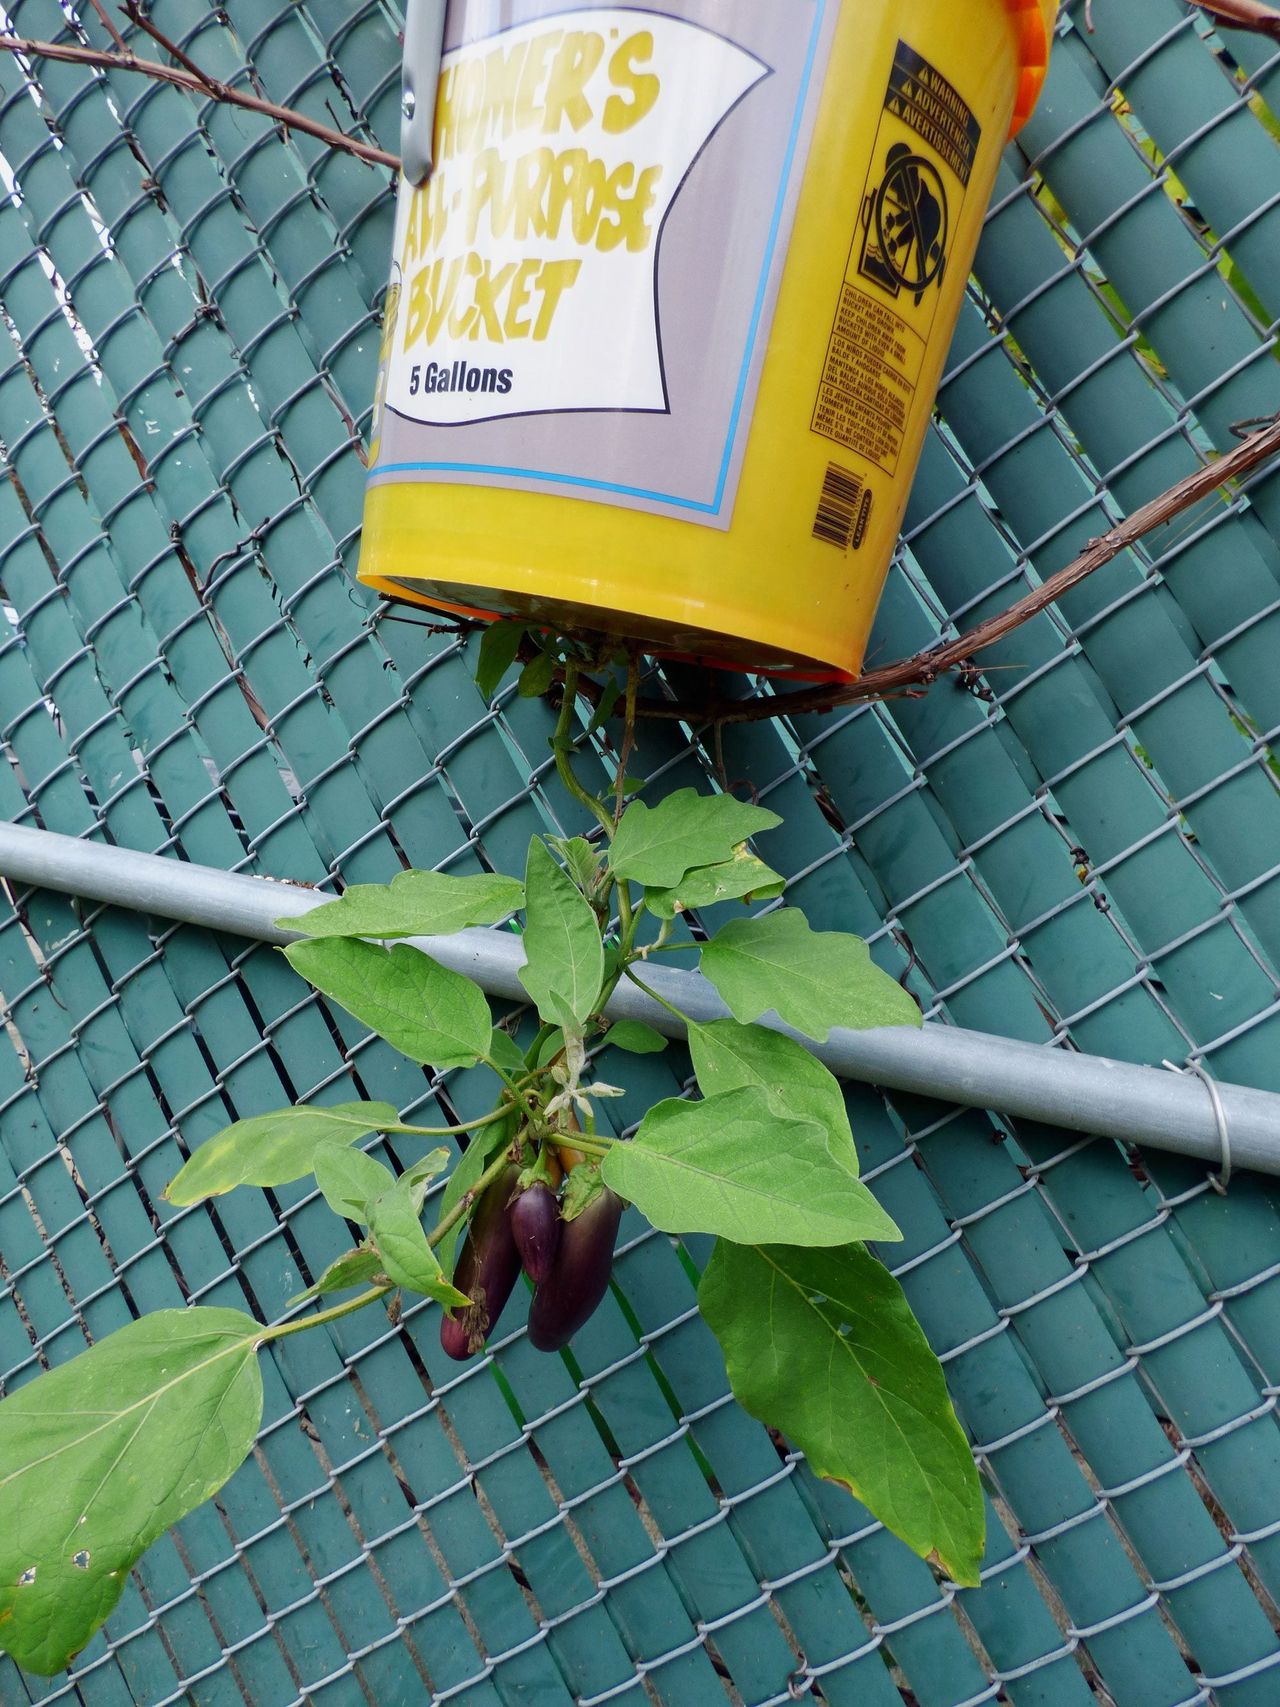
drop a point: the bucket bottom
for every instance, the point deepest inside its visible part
(684, 643)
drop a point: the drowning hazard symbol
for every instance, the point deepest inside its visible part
(921, 164)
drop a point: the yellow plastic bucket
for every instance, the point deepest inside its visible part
(667, 321)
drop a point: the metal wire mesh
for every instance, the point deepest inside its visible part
(1086, 851)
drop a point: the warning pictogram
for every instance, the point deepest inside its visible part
(907, 223)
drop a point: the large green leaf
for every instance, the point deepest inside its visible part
(565, 966)
(396, 1232)
(274, 1149)
(727, 1056)
(733, 1166)
(101, 1456)
(743, 876)
(812, 980)
(348, 1179)
(656, 845)
(416, 903)
(427, 1012)
(823, 1345)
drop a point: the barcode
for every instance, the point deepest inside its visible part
(837, 518)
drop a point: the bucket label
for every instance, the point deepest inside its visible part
(921, 164)
(583, 249)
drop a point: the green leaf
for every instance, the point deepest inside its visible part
(348, 1179)
(743, 876)
(104, 1454)
(565, 968)
(353, 1268)
(499, 645)
(656, 845)
(537, 677)
(636, 1038)
(551, 1047)
(416, 903)
(812, 980)
(484, 1146)
(508, 1054)
(823, 1345)
(274, 1149)
(583, 1186)
(727, 1056)
(610, 694)
(409, 1261)
(732, 1166)
(581, 859)
(430, 1014)
(418, 1178)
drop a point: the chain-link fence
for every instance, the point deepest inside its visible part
(1082, 847)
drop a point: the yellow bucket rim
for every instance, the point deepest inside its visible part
(1035, 20)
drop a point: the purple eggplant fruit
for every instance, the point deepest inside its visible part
(536, 1227)
(580, 1278)
(487, 1269)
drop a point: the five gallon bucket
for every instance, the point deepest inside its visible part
(668, 317)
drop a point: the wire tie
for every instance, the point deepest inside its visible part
(1221, 1180)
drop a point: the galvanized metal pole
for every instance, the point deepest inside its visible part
(1085, 1093)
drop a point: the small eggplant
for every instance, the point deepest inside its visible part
(580, 1277)
(536, 1227)
(487, 1269)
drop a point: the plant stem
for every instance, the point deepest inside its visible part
(592, 1145)
(515, 1086)
(452, 1131)
(562, 745)
(196, 83)
(281, 1330)
(654, 996)
(535, 1048)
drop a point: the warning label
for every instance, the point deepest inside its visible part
(867, 386)
(923, 158)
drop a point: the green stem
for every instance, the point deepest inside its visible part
(451, 1131)
(281, 1330)
(590, 1146)
(654, 996)
(562, 746)
(535, 1048)
(513, 1085)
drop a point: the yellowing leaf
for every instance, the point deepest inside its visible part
(274, 1149)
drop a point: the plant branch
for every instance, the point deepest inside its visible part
(195, 82)
(1243, 15)
(914, 675)
(562, 745)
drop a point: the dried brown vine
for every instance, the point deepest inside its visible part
(1243, 15)
(187, 75)
(916, 674)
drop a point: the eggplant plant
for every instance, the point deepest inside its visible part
(99, 1456)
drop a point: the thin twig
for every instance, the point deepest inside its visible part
(109, 24)
(134, 13)
(915, 674)
(197, 83)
